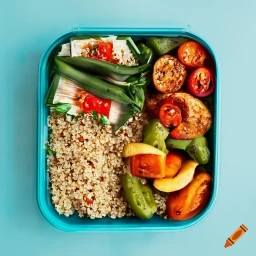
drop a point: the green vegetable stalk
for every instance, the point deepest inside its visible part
(100, 88)
(146, 54)
(142, 79)
(104, 68)
(139, 196)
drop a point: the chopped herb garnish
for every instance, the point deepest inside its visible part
(94, 115)
(62, 108)
(104, 120)
(50, 151)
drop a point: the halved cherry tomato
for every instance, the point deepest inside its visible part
(201, 82)
(192, 54)
(105, 50)
(148, 166)
(93, 103)
(169, 114)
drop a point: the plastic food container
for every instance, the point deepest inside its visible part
(75, 223)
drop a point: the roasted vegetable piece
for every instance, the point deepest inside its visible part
(155, 134)
(152, 103)
(201, 82)
(147, 166)
(139, 197)
(115, 71)
(178, 144)
(173, 163)
(182, 179)
(196, 118)
(163, 45)
(168, 74)
(189, 201)
(198, 150)
(192, 54)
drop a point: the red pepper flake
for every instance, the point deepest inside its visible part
(91, 164)
(81, 138)
(55, 160)
(87, 200)
(100, 178)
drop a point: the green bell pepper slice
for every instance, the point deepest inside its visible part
(139, 196)
(163, 45)
(198, 150)
(155, 134)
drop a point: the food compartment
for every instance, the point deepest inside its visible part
(192, 155)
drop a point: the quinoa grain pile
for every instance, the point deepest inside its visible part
(85, 173)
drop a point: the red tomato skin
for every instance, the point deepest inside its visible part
(192, 54)
(164, 113)
(105, 50)
(93, 103)
(207, 83)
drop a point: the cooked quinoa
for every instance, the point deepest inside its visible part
(85, 173)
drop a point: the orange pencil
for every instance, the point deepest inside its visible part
(236, 235)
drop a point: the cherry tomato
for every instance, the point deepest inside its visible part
(93, 103)
(105, 50)
(192, 54)
(201, 82)
(147, 166)
(169, 114)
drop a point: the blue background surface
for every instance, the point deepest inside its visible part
(26, 29)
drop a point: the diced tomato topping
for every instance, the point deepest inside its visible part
(93, 103)
(105, 50)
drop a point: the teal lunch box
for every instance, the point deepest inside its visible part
(74, 223)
